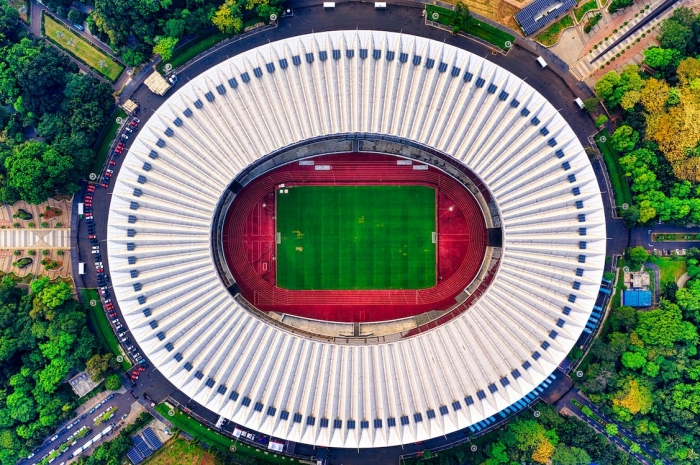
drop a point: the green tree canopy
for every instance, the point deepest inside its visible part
(36, 171)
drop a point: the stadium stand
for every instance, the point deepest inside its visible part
(211, 341)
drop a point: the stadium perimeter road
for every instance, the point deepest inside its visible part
(314, 19)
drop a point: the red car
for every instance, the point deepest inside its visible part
(141, 368)
(91, 188)
(105, 185)
(134, 124)
(112, 162)
(112, 315)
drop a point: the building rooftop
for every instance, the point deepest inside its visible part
(540, 13)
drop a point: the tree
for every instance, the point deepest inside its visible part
(637, 255)
(543, 452)
(633, 360)
(164, 47)
(9, 24)
(611, 429)
(564, 455)
(591, 104)
(674, 35)
(226, 20)
(113, 382)
(624, 139)
(98, 365)
(132, 57)
(665, 326)
(174, 28)
(461, 17)
(36, 171)
(634, 448)
(76, 16)
(662, 58)
(624, 318)
(600, 120)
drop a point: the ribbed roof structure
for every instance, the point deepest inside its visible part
(356, 396)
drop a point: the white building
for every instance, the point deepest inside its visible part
(279, 382)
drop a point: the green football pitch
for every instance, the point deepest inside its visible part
(356, 237)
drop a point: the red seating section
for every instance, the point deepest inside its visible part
(249, 242)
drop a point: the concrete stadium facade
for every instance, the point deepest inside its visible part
(281, 382)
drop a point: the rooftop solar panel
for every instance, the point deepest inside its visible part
(541, 12)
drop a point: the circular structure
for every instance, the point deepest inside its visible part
(278, 270)
(420, 99)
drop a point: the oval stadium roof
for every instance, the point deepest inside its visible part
(357, 396)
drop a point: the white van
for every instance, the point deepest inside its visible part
(541, 61)
(329, 5)
(580, 104)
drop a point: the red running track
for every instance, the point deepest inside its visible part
(249, 241)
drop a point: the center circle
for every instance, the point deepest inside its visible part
(355, 238)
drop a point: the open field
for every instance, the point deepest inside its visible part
(671, 269)
(356, 237)
(211, 437)
(80, 48)
(99, 322)
(180, 452)
(501, 11)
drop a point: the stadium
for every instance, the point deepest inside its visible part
(357, 239)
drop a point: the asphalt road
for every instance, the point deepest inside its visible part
(519, 61)
(565, 403)
(121, 400)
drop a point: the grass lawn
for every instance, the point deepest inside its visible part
(617, 175)
(585, 8)
(671, 269)
(180, 452)
(356, 237)
(193, 48)
(550, 36)
(80, 48)
(105, 141)
(483, 31)
(211, 437)
(99, 322)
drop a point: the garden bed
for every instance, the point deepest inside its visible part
(550, 36)
(675, 237)
(585, 8)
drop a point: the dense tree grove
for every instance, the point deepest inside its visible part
(658, 134)
(645, 371)
(40, 88)
(549, 439)
(137, 28)
(43, 337)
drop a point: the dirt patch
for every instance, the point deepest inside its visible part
(52, 212)
(499, 10)
(207, 459)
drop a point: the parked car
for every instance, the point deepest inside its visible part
(112, 162)
(79, 27)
